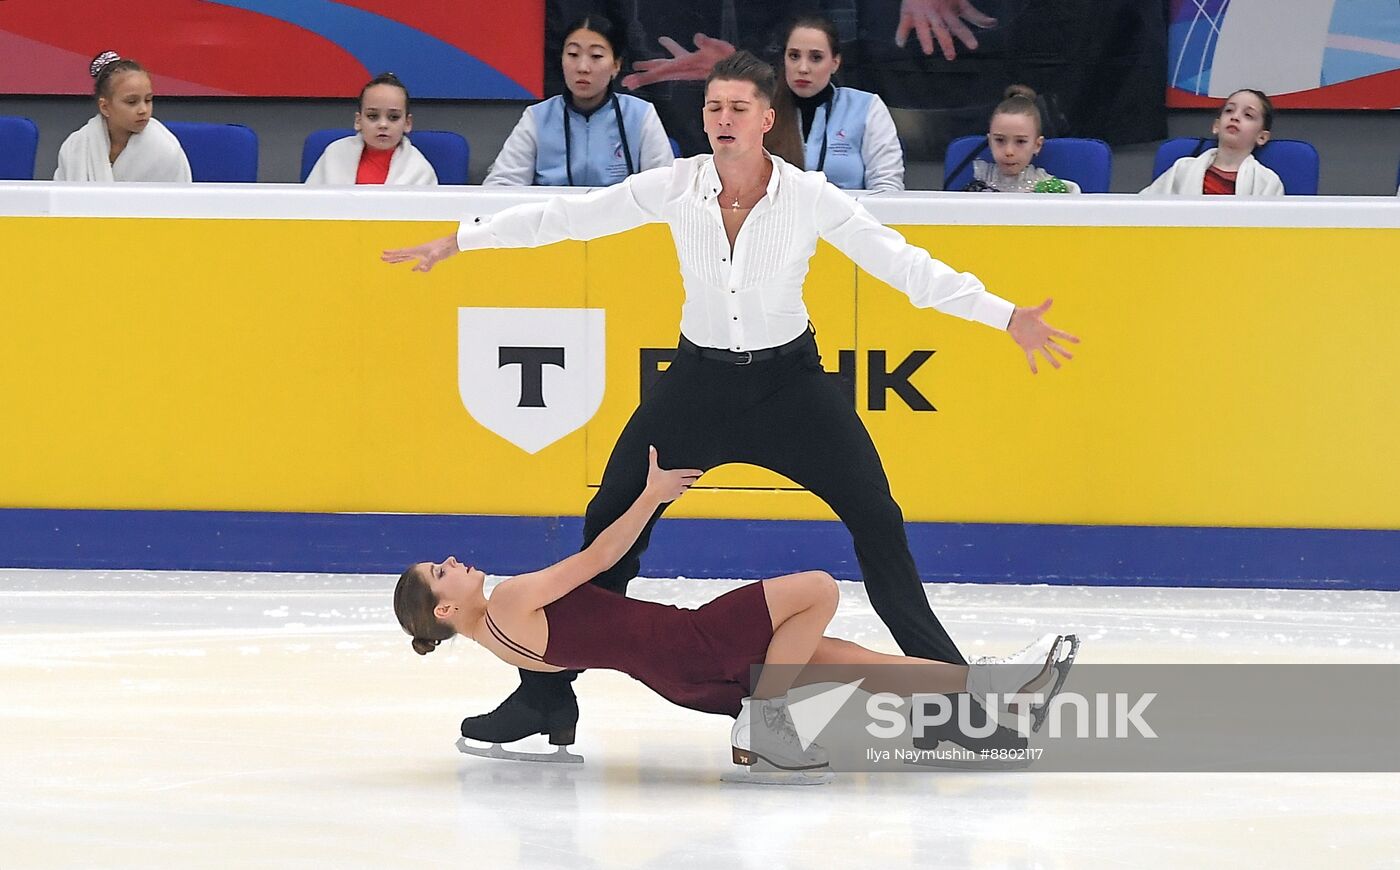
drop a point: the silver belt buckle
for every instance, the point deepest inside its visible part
(749, 355)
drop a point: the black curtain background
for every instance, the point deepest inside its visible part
(1100, 65)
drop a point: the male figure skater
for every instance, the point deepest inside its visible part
(746, 384)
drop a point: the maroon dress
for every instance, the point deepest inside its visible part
(699, 659)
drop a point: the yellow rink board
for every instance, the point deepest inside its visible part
(1228, 376)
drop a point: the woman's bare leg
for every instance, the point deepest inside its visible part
(801, 607)
(836, 660)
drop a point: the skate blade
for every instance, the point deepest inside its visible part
(749, 758)
(561, 755)
(749, 776)
(1062, 666)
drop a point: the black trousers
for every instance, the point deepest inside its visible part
(785, 414)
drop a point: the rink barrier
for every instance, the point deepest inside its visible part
(257, 360)
(699, 548)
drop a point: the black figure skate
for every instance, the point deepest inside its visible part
(527, 712)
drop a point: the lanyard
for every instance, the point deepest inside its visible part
(569, 140)
(826, 128)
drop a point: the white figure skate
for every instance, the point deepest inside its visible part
(780, 758)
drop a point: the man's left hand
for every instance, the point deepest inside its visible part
(1029, 329)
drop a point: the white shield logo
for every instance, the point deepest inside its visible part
(531, 375)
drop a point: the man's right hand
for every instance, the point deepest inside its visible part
(427, 255)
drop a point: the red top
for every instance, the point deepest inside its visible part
(1219, 182)
(374, 165)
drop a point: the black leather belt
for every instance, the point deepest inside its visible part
(744, 357)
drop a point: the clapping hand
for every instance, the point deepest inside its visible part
(1032, 333)
(668, 485)
(682, 65)
(941, 20)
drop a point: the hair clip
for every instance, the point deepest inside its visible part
(100, 62)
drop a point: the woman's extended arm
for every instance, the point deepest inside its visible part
(535, 590)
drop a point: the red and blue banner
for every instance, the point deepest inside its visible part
(445, 49)
(1306, 54)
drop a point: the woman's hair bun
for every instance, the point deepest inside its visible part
(1020, 91)
(423, 645)
(100, 62)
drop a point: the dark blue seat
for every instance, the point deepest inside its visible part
(218, 152)
(19, 143)
(448, 152)
(1295, 161)
(1086, 162)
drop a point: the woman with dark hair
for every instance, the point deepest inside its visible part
(123, 141)
(589, 136)
(847, 134)
(380, 152)
(747, 383)
(555, 619)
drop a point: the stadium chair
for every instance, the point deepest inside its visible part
(19, 142)
(1086, 162)
(448, 152)
(218, 152)
(1295, 161)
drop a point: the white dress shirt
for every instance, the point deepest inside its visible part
(749, 298)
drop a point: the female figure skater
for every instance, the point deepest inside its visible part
(123, 141)
(1243, 124)
(1014, 139)
(847, 134)
(747, 383)
(381, 153)
(555, 619)
(588, 136)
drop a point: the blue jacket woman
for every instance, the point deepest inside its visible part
(847, 134)
(589, 136)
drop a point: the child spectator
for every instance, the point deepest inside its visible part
(1242, 125)
(381, 153)
(123, 141)
(1014, 139)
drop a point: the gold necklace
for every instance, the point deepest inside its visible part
(738, 196)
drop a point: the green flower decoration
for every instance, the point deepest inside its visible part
(1051, 185)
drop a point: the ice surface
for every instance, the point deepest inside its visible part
(153, 719)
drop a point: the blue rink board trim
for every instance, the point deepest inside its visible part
(962, 552)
